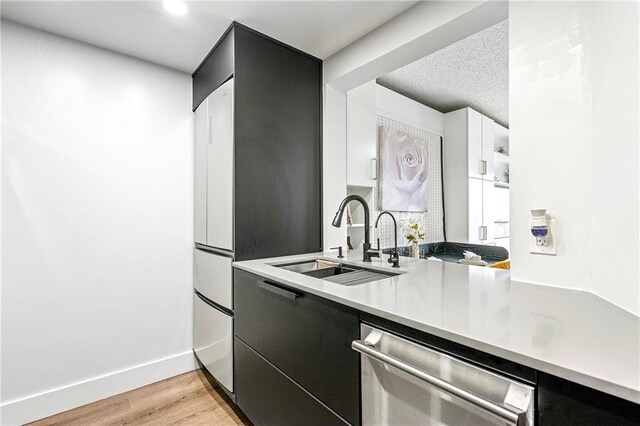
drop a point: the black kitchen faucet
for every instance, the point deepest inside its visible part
(393, 257)
(367, 253)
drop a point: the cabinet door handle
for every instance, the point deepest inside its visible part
(483, 233)
(278, 290)
(483, 167)
(374, 168)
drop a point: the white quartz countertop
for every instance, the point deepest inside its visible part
(571, 334)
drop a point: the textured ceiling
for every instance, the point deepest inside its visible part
(472, 72)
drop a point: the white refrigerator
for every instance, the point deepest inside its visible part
(213, 232)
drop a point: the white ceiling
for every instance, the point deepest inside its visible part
(143, 29)
(472, 72)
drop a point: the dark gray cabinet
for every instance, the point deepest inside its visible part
(561, 402)
(306, 337)
(215, 69)
(275, 156)
(268, 397)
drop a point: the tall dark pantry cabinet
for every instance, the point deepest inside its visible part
(258, 161)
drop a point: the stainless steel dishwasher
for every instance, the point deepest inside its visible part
(404, 383)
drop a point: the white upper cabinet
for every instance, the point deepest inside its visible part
(478, 143)
(469, 176)
(364, 104)
(471, 121)
(488, 126)
(361, 135)
(214, 152)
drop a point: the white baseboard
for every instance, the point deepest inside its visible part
(55, 401)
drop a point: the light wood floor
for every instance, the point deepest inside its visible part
(187, 399)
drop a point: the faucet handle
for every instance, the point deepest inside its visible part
(394, 259)
(339, 248)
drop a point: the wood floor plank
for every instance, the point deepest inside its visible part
(95, 413)
(187, 399)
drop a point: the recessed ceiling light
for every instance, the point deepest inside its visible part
(177, 7)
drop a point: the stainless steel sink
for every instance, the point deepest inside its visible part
(336, 272)
(309, 265)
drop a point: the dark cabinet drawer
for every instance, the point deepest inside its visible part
(307, 337)
(268, 397)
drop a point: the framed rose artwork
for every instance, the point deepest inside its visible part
(403, 175)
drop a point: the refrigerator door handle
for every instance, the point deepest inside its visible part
(214, 305)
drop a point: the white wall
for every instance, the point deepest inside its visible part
(574, 143)
(334, 164)
(97, 221)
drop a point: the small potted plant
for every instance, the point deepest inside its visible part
(414, 234)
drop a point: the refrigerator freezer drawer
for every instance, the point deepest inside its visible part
(213, 277)
(213, 340)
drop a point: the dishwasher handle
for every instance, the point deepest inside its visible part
(514, 417)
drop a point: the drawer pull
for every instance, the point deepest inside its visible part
(278, 290)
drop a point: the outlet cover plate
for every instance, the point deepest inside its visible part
(552, 248)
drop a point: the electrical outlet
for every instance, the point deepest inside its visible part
(546, 244)
(543, 241)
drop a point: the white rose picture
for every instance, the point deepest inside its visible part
(403, 185)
